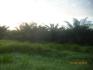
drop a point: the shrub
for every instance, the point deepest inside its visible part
(6, 59)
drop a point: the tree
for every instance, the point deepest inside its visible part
(3, 31)
(53, 31)
(79, 30)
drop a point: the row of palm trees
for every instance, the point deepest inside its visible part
(80, 31)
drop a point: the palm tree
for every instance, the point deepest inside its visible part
(83, 23)
(3, 31)
(79, 30)
(52, 27)
(52, 31)
(26, 27)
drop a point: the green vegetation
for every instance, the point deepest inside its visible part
(79, 32)
(16, 55)
(7, 46)
(6, 59)
(48, 47)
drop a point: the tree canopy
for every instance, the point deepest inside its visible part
(80, 31)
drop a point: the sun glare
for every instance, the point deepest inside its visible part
(14, 12)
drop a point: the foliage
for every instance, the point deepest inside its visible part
(7, 46)
(6, 59)
(77, 32)
(3, 31)
(15, 55)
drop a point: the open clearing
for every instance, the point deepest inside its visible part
(35, 56)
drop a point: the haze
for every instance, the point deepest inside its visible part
(14, 12)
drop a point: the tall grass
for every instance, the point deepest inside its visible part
(6, 58)
(16, 46)
(39, 62)
(18, 55)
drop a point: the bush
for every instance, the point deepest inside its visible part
(6, 58)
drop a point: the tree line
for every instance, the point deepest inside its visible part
(80, 31)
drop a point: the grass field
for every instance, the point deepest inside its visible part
(15, 55)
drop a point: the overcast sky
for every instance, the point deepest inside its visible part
(14, 12)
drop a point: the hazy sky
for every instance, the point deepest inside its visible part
(14, 12)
